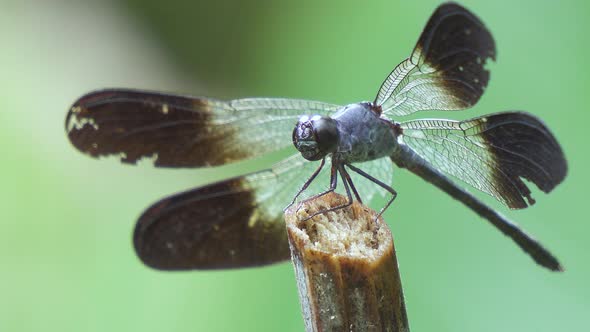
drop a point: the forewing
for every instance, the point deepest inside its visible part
(446, 70)
(180, 131)
(229, 224)
(492, 153)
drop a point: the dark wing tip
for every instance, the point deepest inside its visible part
(457, 45)
(86, 102)
(174, 131)
(454, 25)
(522, 146)
(212, 227)
(83, 119)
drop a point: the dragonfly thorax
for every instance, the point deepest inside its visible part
(363, 134)
(315, 136)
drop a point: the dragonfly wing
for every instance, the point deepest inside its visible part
(492, 153)
(180, 131)
(229, 224)
(446, 70)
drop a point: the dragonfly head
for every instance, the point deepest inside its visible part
(315, 136)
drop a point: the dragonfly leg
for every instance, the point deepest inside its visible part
(346, 178)
(307, 183)
(379, 183)
(333, 181)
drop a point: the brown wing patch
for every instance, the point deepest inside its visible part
(493, 153)
(212, 227)
(456, 44)
(522, 147)
(174, 130)
(446, 70)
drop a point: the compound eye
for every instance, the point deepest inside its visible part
(326, 133)
(304, 140)
(315, 137)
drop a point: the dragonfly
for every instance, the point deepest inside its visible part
(238, 222)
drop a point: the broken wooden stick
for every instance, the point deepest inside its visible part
(346, 268)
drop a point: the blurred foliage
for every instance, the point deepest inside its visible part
(65, 247)
(185, 31)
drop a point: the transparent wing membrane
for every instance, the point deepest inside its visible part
(236, 222)
(446, 70)
(179, 131)
(381, 169)
(492, 153)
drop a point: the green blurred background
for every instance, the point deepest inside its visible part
(66, 260)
